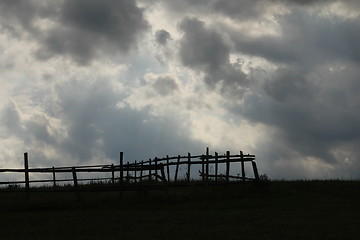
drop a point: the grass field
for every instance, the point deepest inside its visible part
(283, 210)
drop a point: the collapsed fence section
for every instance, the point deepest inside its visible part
(158, 170)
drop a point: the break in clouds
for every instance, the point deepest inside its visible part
(83, 80)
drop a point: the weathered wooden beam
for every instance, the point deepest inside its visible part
(54, 177)
(242, 166)
(141, 170)
(188, 167)
(207, 163)
(150, 170)
(26, 170)
(74, 177)
(112, 174)
(177, 168)
(121, 168)
(168, 168)
(156, 172)
(216, 166)
(227, 165)
(256, 173)
(135, 173)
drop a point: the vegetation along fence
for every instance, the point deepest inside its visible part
(154, 172)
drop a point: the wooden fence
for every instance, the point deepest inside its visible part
(123, 176)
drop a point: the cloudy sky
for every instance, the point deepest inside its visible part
(83, 80)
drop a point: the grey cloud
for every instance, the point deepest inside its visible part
(165, 86)
(310, 120)
(162, 37)
(244, 9)
(310, 99)
(306, 39)
(289, 85)
(92, 117)
(240, 9)
(10, 117)
(203, 49)
(83, 30)
(92, 126)
(18, 13)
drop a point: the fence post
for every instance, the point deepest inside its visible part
(74, 177)
(188, 168)
(168, 167)
(121, 168)
(177, 168)
(112, 174)
(150, 170)
(121, 182)
(163, 173)
(256, 173)
(127, 172)
(141, 170)
(156, 171)
(26, 167)
(216, 166)
(54, 179)
(207, 163)
(242, 166)
(227, 165)
(135, 172)
(202, 168)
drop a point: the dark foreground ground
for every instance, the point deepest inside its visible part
(284, 210)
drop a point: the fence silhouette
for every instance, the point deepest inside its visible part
(124, 176)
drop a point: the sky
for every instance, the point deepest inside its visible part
(83, 80)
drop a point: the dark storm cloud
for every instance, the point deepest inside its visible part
(289, 85)
(311, 119)
(83, 29)
(18, 15)
(306, 39)
(310, 99)
(244, 10)
(162, 37)
(205, 50)
(240, 9)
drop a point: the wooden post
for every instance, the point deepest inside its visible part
(54, 179)
(150, 169)
(121, 182)
(168, 168)
(242, 166)
(121, 168)
(135, 172)
(202, 168)
(188, 168)
(74, 177)
(156, 171)
(216, 166)
(127, 172)
(227, 166)
(26, 166)
(163, 173)
(256, 173)
(207, 163)
(112, 174)
(177, 168)
(141, 170)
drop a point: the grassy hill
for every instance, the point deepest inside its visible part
(280, 210)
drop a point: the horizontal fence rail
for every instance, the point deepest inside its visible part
(155, 170)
